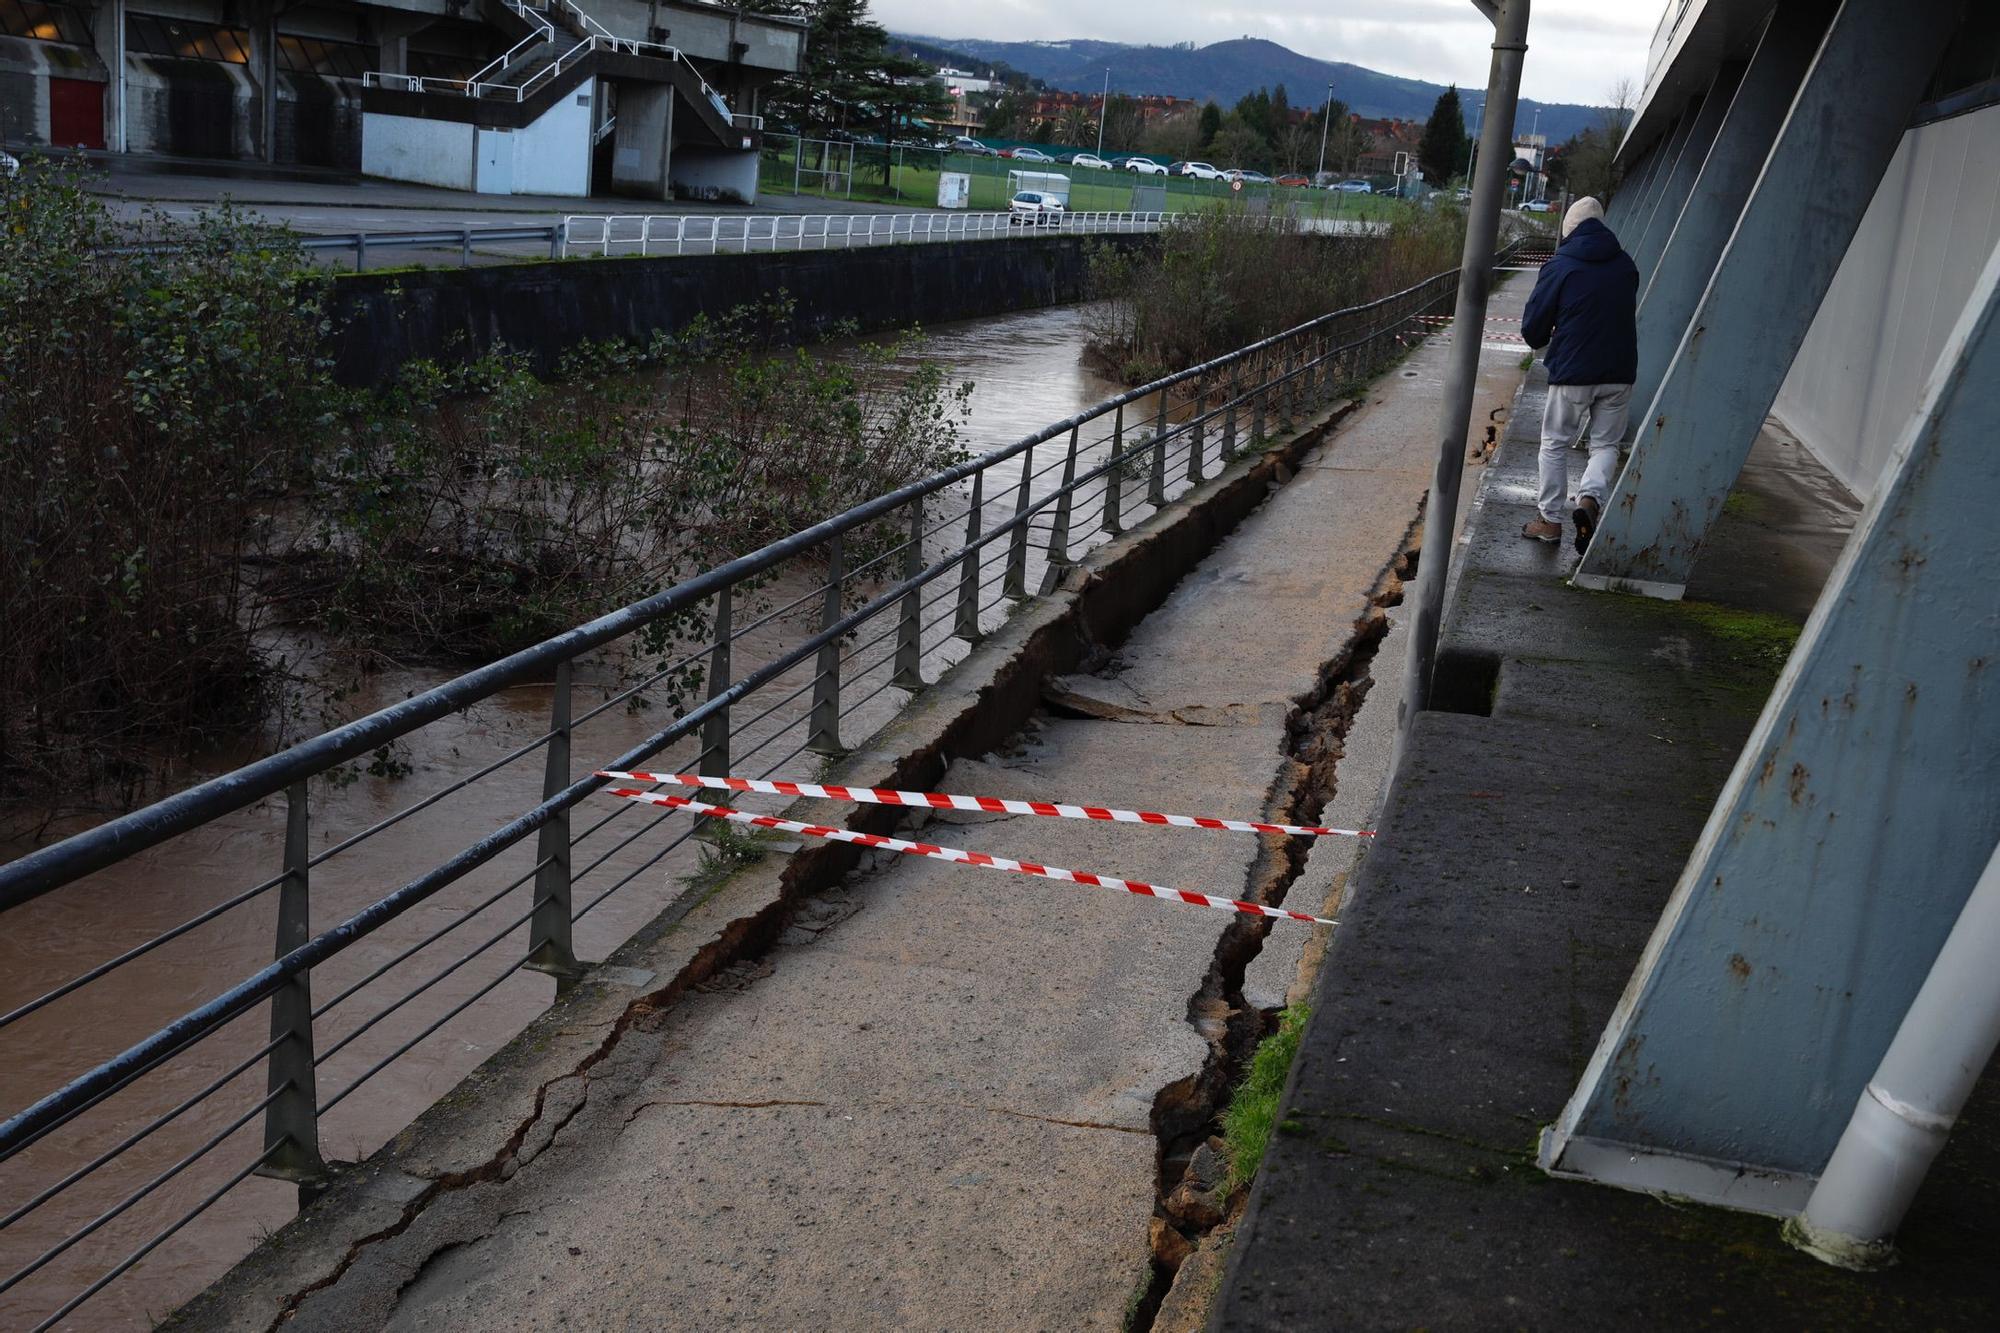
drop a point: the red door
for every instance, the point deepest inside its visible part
(76, 113)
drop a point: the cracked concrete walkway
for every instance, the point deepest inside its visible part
(930, 1105)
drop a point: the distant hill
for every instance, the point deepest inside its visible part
(1226, 71)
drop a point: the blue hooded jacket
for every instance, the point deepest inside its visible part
(1584, 309)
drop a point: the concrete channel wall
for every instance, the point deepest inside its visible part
(382, 320)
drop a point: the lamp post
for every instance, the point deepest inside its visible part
(1482, 225)
(1325, 120)
(1103, 102)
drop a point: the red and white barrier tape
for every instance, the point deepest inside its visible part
(965, 858)
(992, 805)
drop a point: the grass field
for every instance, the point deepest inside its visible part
(913, 182)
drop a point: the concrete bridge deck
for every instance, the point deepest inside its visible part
(942, 1097)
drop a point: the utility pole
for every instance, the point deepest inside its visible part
(1103, 104)
(1325, 122)
(1475, 278)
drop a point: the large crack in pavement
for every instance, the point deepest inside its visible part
(1187, 1114)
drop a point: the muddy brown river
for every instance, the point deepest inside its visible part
(1027, 371)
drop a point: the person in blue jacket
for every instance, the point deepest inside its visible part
(1584, 309)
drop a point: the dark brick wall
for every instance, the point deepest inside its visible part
(383, 320)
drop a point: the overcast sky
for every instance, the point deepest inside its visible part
(1576, 48)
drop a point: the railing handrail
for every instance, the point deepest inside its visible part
(595, 37)
(49, 868)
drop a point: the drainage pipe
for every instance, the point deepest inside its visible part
(1909, 1107)
(1482, 226)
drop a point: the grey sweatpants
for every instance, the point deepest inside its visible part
(1571, 409)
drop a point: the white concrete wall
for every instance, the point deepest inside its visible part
(1864, 365)
(404, 148)
(711, 174)
(552, 156)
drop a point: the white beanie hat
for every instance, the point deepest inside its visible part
(1586, 207)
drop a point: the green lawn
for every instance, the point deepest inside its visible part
(913, 182)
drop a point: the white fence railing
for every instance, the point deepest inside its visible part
(676, 234)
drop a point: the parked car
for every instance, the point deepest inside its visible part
(1035, 208)
(1200, 171)
(1536, 206)
(1294, 182)
(965, 143)
(1463, 196)
(1089, 160)
(1354, 187)
(1145, 166)
(9, 165)
(1246, 176)
(1028, 155)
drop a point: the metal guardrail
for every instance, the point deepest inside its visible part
(461, 239)
(704, 234)
(978, 538)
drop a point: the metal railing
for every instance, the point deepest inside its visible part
(592, 36)
(874, 601)
(681, 233)
(461, 239)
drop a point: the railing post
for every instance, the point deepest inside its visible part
(465, 247)
(360, 250)
(1229, 414)
(1015, 583)
(715, 731)
(549, 929)
(1059, 530)
(910, 615)
(966, 623)
(1197, 427)
(291, 1122)
(823, 728)
(1263, 393)
(1156, 482)
(1114, 478)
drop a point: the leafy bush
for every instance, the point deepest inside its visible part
(475, 511)
(153, 401)
(1223, 280)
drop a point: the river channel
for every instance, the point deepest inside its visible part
(1027, 370)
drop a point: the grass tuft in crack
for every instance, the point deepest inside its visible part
(726, 850)
(1253, 1108)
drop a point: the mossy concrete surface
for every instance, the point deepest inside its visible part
(1527, 849)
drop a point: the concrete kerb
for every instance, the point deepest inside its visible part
(513, 1106)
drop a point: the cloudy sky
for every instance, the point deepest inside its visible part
(1576, 48)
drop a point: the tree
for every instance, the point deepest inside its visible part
(1236, 144)
(1297, 148)
(1123, 123)
(1008, 115)
(1442, 153)
(1210, 124)
(1075, 128)
(1176, 135)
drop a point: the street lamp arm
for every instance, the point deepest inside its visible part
(1490, 9)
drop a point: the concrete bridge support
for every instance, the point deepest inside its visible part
(1842, 129)
(643, 141)
(1844, 847)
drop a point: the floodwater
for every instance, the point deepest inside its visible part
(450, 1010)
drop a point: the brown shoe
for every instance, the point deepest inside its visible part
(1585, 518)
(1541, 530)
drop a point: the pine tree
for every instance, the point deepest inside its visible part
(1443, 150)
(1210, 125)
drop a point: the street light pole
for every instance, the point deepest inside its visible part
(1103, 103)
(1325, 121)
(1475, 280)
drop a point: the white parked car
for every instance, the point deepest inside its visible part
(9, 165)
(1201, 171)
(1354, 187)
(1035, 208)
(1145, 166)
(1246, 176)
(1536, 206)
(1028, 155)
(1090, 160)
